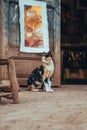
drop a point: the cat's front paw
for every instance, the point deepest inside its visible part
(50, 90)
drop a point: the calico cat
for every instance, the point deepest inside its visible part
(41, 77)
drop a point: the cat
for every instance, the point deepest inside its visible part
(41, 77)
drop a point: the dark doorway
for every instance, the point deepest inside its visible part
(73, 43)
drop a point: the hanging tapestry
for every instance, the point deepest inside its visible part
(33, 27)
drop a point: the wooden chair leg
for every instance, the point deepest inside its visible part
(13, 79)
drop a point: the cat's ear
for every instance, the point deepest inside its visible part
(49, 53)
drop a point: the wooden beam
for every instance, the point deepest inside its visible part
(13, 80)
(25, 58)
(4, 86)
(5, 94)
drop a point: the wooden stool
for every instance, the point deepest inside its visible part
(12, 83)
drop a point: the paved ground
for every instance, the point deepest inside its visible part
(63, 109)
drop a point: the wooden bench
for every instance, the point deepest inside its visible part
(12, 83)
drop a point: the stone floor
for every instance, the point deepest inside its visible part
(63, 109)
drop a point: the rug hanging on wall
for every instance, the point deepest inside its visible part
(33, 27)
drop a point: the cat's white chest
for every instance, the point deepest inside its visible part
(50, 68)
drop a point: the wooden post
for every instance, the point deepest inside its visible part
(57, 47)
(13, 79)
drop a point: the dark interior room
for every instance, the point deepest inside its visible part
(74, 41)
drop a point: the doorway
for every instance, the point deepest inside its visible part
(73, 42)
